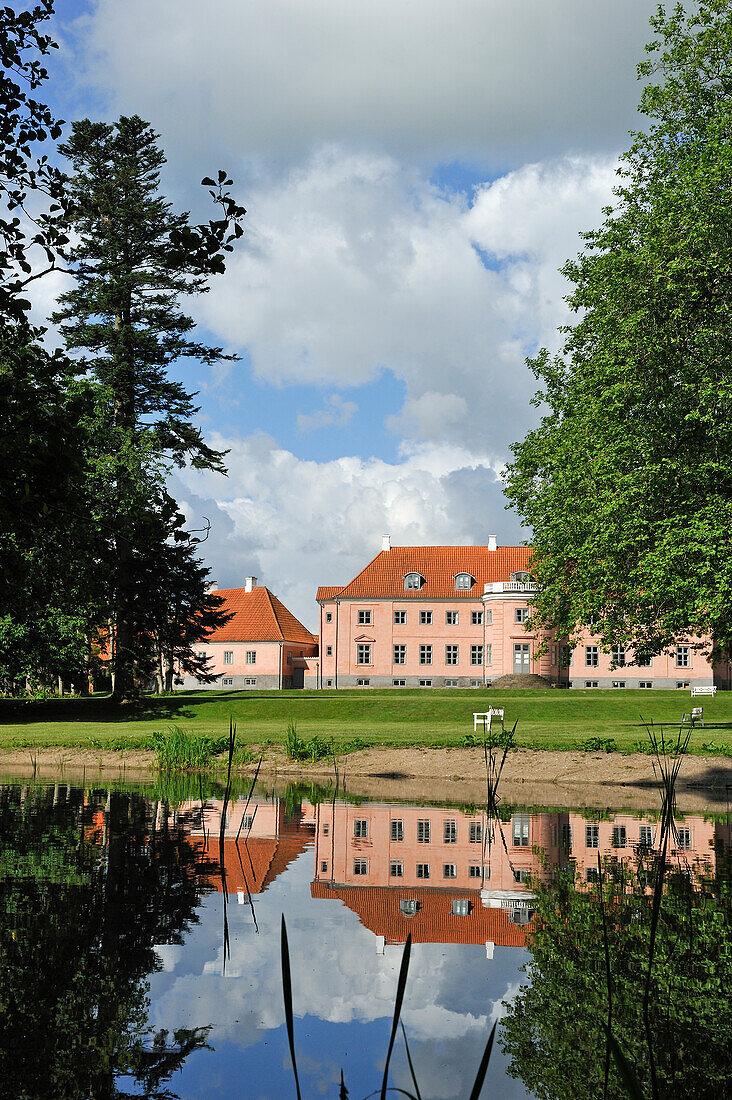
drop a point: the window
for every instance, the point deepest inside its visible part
(618, 683)
(476, 683)
(364, 618)
(251, 658)
(329, 651)
(521, 874)
(326, 829)
(425, 654)
(451, 683)
(565, 656)
(645, 684)
(643, 660)
(554, 654)
(476, 654)
(249, 682)
(363, 653)
(592, 656)
(487, 616)
(592, 836)
(451, 654)
(423, 870)
(396, 869)
(591, 874)
(449, 870)
(489, 654)
(400, 618)
(329, 683)
(461, 907)
(476, 618)
(413, 580)
(463, 581)
(228, 656)
(423, 831)
(566, 836)
(682, 683)
(645, 836)
(620, 837)
(360, 866)
(362, 683)
(618, 656)
(425, 683)
(449, 832)
(521, 824)
(475, 832)
(400, 654)
(521, 615)
(452, 618)
(591, 683)
(323, 866)
(399, 683)
(684, 832)
(408, 906)
(329, 616)
(682, 656)
(361, 828)
(227, 682)
(425, 618)
(397, 829)
(474, 870)
(289, 657)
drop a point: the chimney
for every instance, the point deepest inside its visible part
(250, 583)
(386, 542)
(492, 544)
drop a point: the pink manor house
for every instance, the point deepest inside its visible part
(427, 616)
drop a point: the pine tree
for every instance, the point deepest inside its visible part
(135, 258)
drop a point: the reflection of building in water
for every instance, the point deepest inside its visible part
(274, 836)
(453, 876)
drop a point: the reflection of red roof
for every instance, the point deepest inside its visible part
(258, 616)
(250, 865)
(378, 910)
(384, 576)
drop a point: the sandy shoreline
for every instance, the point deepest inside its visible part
(568, 779)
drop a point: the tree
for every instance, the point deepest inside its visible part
(133, 261)
(567, 981)
(627, 482)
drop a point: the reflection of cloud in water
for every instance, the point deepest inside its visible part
(453, 992)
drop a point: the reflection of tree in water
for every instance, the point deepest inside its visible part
(86, 889)
(554, 1030)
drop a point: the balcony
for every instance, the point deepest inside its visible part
(524, 587)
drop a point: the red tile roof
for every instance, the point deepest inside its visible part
(258, 616)
(327, 591)
(383, 578)
(378, 910)
(252, 864)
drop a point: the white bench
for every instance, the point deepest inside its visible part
(703, 691)
(697, 715)
(482, 719)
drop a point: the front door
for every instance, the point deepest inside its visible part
(521, 658)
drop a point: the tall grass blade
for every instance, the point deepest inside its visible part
(409, 1061)
(249, 796)
(401, 986)
(608, 978)
(627, 1073)
(287, 994)
(342, 1091)
(483, 1067)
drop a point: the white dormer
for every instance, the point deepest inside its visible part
(413, 581)
(464, 582)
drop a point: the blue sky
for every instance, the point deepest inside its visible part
(414, 177)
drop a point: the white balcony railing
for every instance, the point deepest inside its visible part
(510, 586)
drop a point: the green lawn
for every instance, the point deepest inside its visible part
(557, 719)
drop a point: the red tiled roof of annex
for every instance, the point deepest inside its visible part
(258, 616)
(383, 578)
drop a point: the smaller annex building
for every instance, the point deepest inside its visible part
(263, 645)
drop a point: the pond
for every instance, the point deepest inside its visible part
(140, 945)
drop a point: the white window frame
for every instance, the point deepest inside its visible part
(521, 614)
(400, 618)
(452, 618)
(476, 618)
(425, 654)
(452, 655)
(476, 655)
(425, 618)
(228, 656)
(683, 656)
(364, 618)
(251, 657)
(361, 828)
(592, 656)
(424, 830)
(363, 653)
(400, 654)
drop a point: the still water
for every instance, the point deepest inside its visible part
(140, 946)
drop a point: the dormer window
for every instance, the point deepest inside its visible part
(521, 576)
(413, 580)
(464, 581)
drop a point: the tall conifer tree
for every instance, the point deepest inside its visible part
(133, 261)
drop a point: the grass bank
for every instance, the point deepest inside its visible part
(554, 720)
